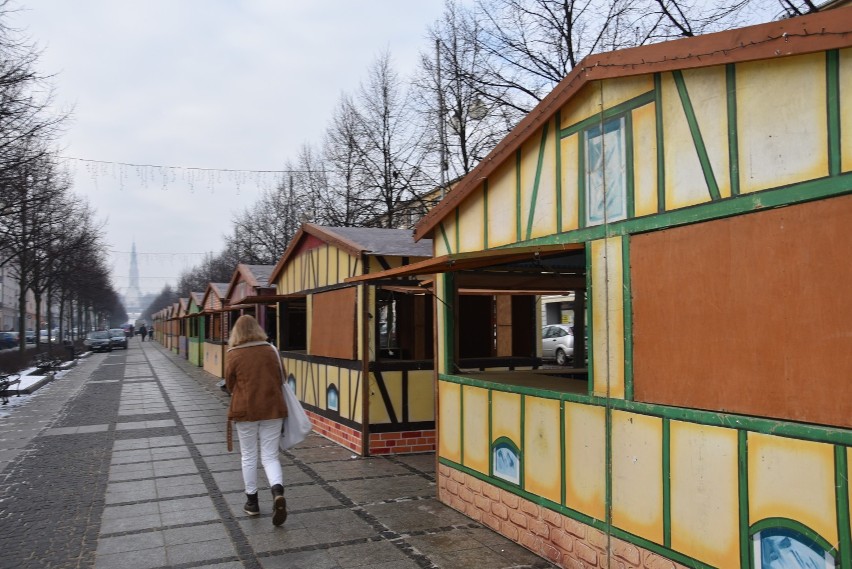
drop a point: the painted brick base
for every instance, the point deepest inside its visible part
(403, 442)
(560, 539)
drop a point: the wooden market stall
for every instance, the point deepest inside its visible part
(359, 356)
(702, 191)
(182, 346)
(214, 327)
(195, 328)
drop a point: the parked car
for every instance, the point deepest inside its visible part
(117, 338)
(8, 340)
(557, 343)
(29, 337)
(98, 341)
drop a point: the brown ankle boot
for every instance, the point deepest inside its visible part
(279, 505)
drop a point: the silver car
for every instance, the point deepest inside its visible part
(98, 341)
(557, 343)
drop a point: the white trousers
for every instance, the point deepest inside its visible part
(268, 432)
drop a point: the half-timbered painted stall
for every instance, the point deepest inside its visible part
(214, 326)
(359, 356)
(173, 325)
(702, 190)
(250, 292)
(183, 341)
(195, 328)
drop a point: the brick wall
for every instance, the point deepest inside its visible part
(560, 539)
(404, 442)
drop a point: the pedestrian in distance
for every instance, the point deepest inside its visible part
(254, 377)
(151, 334)
(143, 331)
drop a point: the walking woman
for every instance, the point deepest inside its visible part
(254, 376)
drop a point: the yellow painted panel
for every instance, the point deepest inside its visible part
(544, 222)
(790, 478)
(542, 448)
(322, 258)
(529, 160)
(846, 109)
(685, 183)
(645, 160)
(476, 444)
(637, 474)
(786, 141)
(596, 96)
(708, 93)
(608, 317)
(378, 410)
(421, 395)
(704, 493)
(585, 459)
(449, 421)
(502, 204)
(506, 416)
(472, 222)
(570, 186)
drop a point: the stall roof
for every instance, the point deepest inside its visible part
(357, 241)
(256, 276)
(794, 36)
(470, 260)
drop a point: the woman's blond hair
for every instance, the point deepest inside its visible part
(246, 329)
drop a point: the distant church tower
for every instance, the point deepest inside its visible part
(132, 296)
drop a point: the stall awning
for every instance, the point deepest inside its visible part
(469, 261)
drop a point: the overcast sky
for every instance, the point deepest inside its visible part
(218, 84)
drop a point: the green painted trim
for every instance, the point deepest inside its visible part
(742, 494)
(557, 146)
(667, 484)
(581, 180)
(563, 476)
(779, 427)
(518, 194)
(445, 238)
(792, 194)
(541, 148)
(628, 317)
(697, 139)
(630, 203)
(841, 478)
(733, 133)
(523, 441)
(579, 516)
(485, 213)
(661, 156)
(490, 431)
(590, 329)
(787, 523)
(626, 106)
(832, 88)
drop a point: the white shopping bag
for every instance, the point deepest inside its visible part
(297, 426)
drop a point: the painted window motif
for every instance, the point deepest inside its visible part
(785, 548)
(606, 172)
(506, 461)
(333, 398)
(291, 381)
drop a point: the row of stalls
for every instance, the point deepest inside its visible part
(696, 198)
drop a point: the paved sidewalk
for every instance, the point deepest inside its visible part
(122, 463)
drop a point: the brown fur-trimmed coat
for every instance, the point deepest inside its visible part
(253, 376)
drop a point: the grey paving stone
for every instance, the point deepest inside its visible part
(194, 552)
(141, 559)
(132, 542)
(195, 534)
